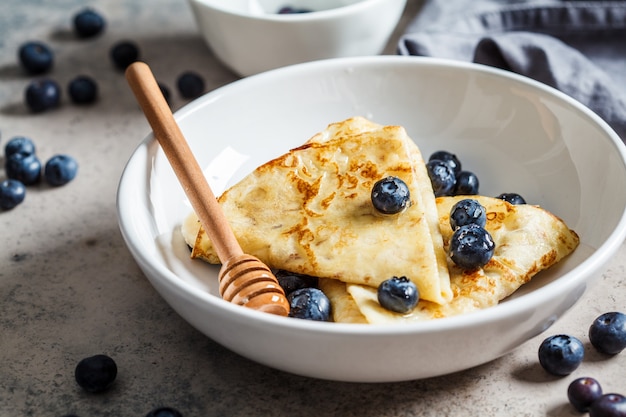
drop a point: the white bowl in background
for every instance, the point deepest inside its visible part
(249, 41)
(517, 135)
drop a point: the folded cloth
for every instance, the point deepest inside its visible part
(578, 47)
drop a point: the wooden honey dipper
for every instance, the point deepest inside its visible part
(244, 279)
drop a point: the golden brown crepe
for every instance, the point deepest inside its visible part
(309, 211)
(528, 240)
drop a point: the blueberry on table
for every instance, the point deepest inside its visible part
(447, 157)
(561, 354)
(290, 281)
(124, 53)
(607, 333)
(60, 169)
(164, 412)
(309, 304)
(467, 211)
(88, 23)
(466, 183)
(442, 177)
(512, 198)
(398, 294)
(82, 90)
(608, 405)
(19, 145)
(12, 194)
(471, 247)
(190, 85)
(96, 373)
(390, 195)
(36, 57)
(26, 169)
(165, 91)
(42, 95)
(582, 392)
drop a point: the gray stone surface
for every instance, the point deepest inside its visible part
(69, 288)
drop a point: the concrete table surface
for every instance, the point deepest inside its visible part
(69, 287)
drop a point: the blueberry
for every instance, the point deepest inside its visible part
(471, 246)
(290, 281)
(82, 90)
(398, 294)
(36, 57)
(26, 169)
(12, 194)
(165, 91)
(60, 169)
(607, 333)
(466, 183)
(88, 23)
(164, 412)
(608, 405)
(21, 145)
(96, 373)
(467, 211)
(442, 177)
(41, 95)
(449, 158)
(190, 84)
(124, 53)
(512, 198)
(390, 195)
(582, 392)
(561, 354)
(293, 10)
(310, 304)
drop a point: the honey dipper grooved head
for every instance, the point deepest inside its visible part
(247, 281)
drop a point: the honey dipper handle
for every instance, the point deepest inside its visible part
(182, 160)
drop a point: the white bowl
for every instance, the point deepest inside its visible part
(250, 42)
(515, 134)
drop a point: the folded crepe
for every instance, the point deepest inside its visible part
(528, 240)
(309, 211)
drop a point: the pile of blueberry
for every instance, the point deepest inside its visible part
(447, 176)
(562, 354)
(37, 58)
(449, 179)
(306, 300)
(44, 93)
(23, 168)
(471, 245)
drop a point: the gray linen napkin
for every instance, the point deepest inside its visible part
(578, 47)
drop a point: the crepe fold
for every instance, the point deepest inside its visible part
(528, 240)
(309, 211)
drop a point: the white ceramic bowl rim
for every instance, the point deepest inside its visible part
(333, 13)
(509, 308)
